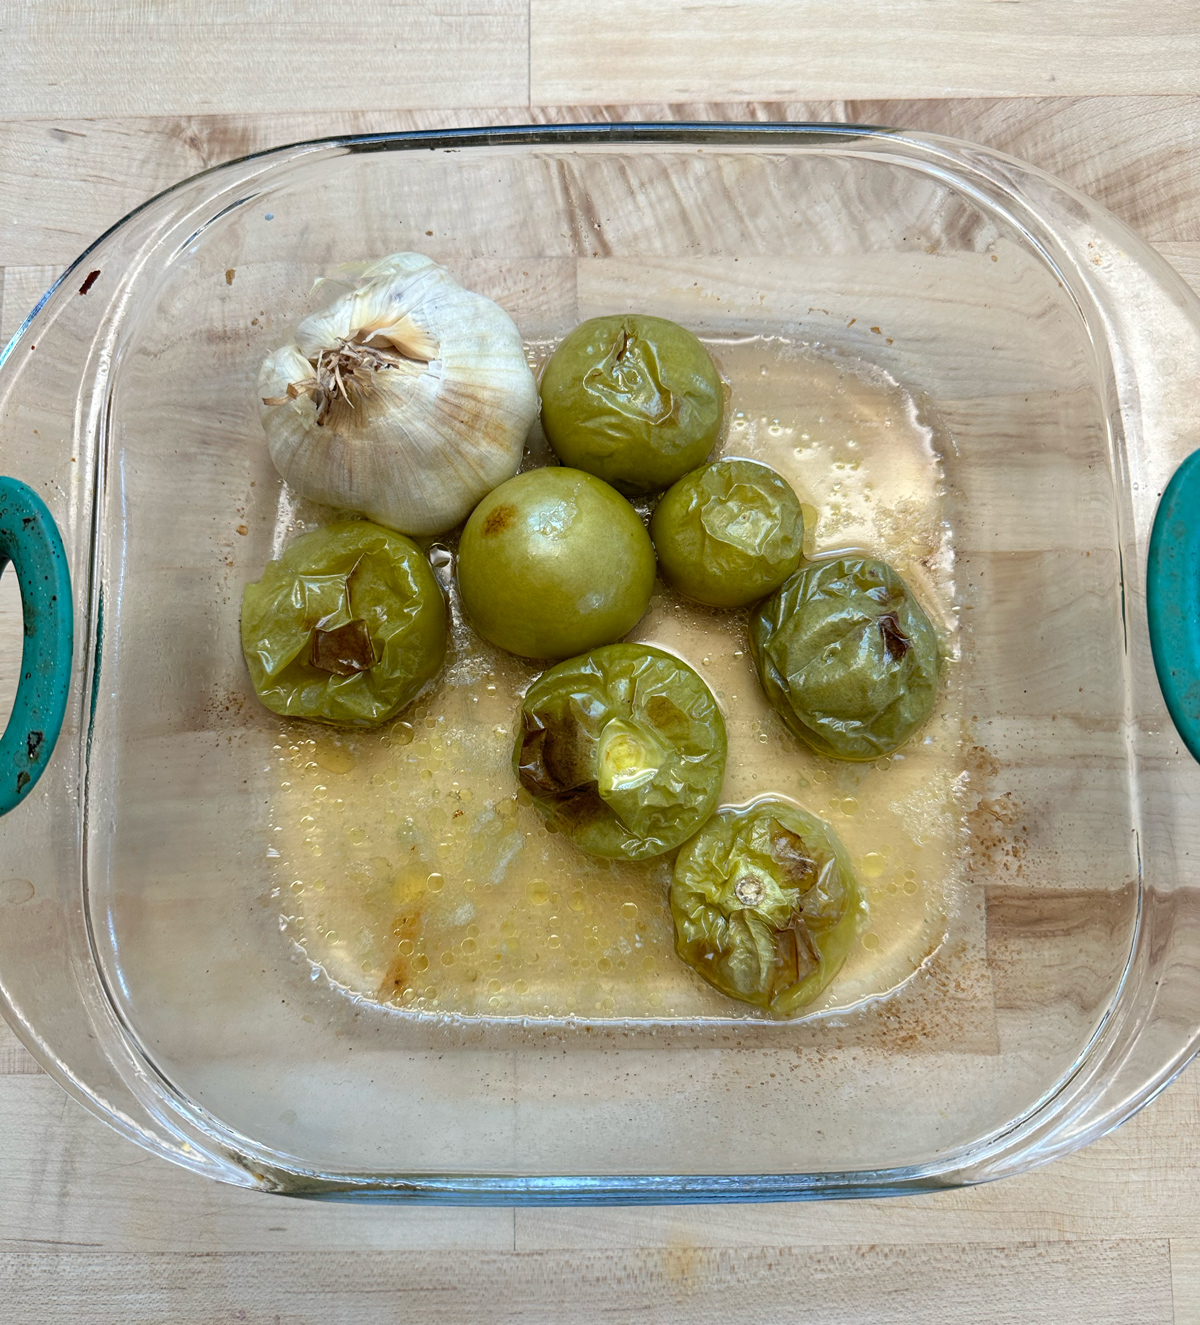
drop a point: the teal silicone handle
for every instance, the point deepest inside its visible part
(1173, 599)
(29, 538)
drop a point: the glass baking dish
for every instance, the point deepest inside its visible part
(959, 362)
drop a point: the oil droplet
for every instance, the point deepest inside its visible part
(849, 806)
(332, 936)
(538, 892)
(429, 992)
(405, 947)
(910, 886)
(872, 865)
(420, 962)
(604, 964)
(819, 775)
(447, 959)
(870, 941)
(357, 836)
(629, 910)
(520, 987)
(435, 882)
(467, 946)
(553, 941)
(494, 986)
(576, 901)
(655, 1000)
(334, 758)
(607, 1003)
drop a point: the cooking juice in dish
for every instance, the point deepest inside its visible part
(415, 873)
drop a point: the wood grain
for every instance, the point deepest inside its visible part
(89, 57)
(1127, 1284)
(1185, 1280)
(758, 49)
(64, 181)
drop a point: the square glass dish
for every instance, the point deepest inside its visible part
(326, 963)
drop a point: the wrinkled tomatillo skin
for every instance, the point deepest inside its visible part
(729, 533)
(346, 627)
(622, 749)
(766, 905)
(554, 562)
(847, 657)
(634, 400)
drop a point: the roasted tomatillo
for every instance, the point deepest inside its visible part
(729, 533)
(622, 749)
(847, 657)
(634, 400)
(766, 906)
(346, 627)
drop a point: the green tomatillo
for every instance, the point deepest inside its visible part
(346, 627)
(728, 533)
(622, 749)
(634, 400)
(554, 562)
(847, 657)
(766, 905)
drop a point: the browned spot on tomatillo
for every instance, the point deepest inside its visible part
(344, 650)
(500, 519)
(895, 641)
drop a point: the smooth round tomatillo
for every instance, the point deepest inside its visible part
(554, 562)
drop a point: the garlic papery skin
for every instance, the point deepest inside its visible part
(407, 400)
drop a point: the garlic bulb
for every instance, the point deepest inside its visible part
(406, 400)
